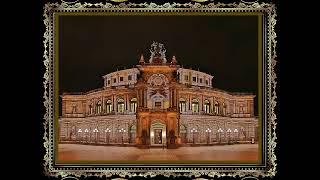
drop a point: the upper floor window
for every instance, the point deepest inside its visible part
(121, 79)
(133, 105)
(195, 105)
(108, 82)
(109, 106)
(114, 80)
(91, 108)
(98, 107)
(207, 82)
(182, 105)
(120, 105)
(194, 79)
(224, 109)
(129, 78)
(206, 106)
(186, 77)
(200, 80)
(216, 107)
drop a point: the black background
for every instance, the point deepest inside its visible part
(26, 85)
(224, 46)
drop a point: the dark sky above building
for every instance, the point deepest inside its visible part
(223, 46)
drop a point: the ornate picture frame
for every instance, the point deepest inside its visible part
(266, 169)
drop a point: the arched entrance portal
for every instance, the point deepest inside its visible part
(158, 133)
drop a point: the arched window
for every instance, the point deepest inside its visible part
(182, 105)
(109, 106)
(216, 107)
(224, 110)
(98, 107)
(120, 105)
(91, 108)
(206, 106)
(195, 105)
(133, 105)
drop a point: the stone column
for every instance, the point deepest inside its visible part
(94, 106)
(170, 98)
(129, 105)
(88, 106)
(177, 101)
(125, 102)
(174, 96)
(102, 104)
(201, 103)
(116, 104)
(190, 102)
(63, 107)
(84, 107)
(211, 105)
(145, 97)
(251, 108)
(140, 98)
(112, 102)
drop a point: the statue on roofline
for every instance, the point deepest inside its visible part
(157, 51)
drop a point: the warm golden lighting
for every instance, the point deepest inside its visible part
(163, 134)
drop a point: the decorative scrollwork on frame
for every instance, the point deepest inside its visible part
(48, 136)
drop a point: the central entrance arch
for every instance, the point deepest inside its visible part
(158, 133)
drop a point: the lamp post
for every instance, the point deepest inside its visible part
(79, 135)
(229, 131)
(220, 131)
(86, 134)
(208, 131)
(96, 132)
(236, 132)
(193, 130)
(107, 131)
(122, 131)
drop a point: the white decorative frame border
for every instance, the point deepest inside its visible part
(269, 11)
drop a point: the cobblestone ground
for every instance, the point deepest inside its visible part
(239, 152)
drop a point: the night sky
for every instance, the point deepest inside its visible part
(223, 46)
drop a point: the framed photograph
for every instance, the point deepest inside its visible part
(138, 89)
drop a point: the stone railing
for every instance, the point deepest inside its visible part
(110, 113)
(74, 115)
(204, 113)
(143, 109)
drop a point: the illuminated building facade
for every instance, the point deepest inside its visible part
(158, 103)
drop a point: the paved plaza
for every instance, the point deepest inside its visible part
(239, 152)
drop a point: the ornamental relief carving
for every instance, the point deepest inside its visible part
(157, 80)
